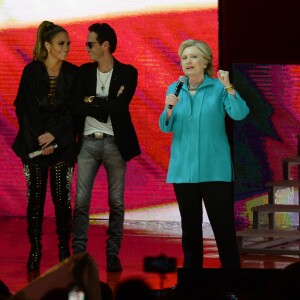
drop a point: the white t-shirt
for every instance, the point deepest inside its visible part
(92, 125)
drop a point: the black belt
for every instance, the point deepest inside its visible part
(98, 135)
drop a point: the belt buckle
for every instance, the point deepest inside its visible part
(98, 135)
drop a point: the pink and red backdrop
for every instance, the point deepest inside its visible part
(149, 41)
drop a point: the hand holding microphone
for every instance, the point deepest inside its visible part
(178, 88)
(45, 141)
(35, 154)
(40, 152)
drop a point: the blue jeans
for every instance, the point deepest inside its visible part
(94, 153)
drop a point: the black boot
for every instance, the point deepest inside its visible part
(36, 178)
(61, 180)
(35, 255)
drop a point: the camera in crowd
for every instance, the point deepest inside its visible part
(160, 264)
(76, 292)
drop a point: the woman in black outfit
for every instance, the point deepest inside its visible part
(46, 125)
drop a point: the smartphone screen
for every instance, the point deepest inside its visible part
(76, 293)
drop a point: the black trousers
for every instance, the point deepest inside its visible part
(218, 200)
(60, 183)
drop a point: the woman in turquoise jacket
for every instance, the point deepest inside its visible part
(200, 166)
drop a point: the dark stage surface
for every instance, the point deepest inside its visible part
(137, 244)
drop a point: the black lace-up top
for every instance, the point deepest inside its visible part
(52, 91)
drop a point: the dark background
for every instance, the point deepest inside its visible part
(259, 31)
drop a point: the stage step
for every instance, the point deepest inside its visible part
(269, 241)
(274, 240)
(268, 208)
(274, 233)
(284, 183)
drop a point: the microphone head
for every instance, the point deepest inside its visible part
(181, 78)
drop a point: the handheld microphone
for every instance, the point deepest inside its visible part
(35, 154)
(178, 88)
(39, 152)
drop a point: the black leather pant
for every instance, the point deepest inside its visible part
(60, 183)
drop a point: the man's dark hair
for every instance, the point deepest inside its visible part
(105, 33)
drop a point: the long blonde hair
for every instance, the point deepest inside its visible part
(46, 32)
(204, 49)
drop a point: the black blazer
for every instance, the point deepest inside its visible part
(117, 106)
(36, 116)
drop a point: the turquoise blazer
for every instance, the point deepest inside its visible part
(200, 149)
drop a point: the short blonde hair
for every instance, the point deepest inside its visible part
(205, 51)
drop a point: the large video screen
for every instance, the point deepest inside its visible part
(149, 34)
(268, 135)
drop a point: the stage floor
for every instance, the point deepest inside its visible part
(141, 239)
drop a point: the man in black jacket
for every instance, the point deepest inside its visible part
(104, 90)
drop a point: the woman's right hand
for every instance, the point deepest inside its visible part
(172, 100)
(48, 150)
